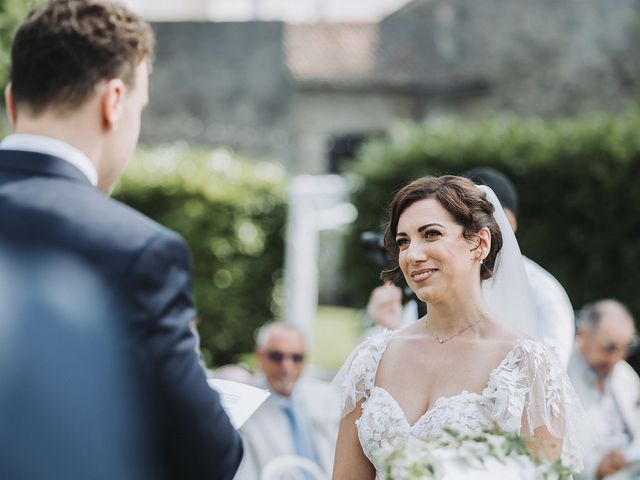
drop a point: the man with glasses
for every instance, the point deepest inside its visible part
(301, 415)
(607, 385)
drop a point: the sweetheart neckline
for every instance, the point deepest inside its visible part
(463, 393)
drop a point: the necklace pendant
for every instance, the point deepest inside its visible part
(441, 341)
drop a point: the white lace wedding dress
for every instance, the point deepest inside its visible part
(527, 388)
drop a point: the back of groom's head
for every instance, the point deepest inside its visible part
(79, 74)
(62, 50)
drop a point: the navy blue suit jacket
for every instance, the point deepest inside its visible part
(45, 202)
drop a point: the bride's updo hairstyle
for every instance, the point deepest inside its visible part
(465, 202)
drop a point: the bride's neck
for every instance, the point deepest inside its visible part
(455, 314)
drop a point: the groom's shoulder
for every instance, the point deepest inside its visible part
(121, 223)
(110, 224)
(121, 212)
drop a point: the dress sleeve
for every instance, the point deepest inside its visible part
(546, 398)
(356, 377)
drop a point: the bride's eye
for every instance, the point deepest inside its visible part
(402, 243)
(431, 234)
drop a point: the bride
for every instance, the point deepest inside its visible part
(467, 364)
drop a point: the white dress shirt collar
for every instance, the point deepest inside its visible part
(604, 411)
(51, 146)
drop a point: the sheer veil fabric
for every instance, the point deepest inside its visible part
(508, 295)
(507, 292)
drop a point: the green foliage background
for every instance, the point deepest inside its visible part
(232, 215)
(578, 182)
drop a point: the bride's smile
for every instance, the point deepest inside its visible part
(422, 274)
(435, 258)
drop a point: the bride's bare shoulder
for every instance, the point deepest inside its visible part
(404, 342)
(501, 338)
(411, 333)
(503, 332)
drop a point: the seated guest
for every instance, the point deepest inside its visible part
(607, 385)
(301, 415)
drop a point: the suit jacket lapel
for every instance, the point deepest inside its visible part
(34, 163)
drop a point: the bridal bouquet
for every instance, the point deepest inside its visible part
(489, 455)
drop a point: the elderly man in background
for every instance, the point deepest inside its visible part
(301, 415)
(607, 386)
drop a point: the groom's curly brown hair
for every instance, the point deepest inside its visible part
(62, 50)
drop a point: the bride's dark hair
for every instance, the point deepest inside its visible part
(465, 202)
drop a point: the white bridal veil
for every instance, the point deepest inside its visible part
(509, 297)
(507, 292)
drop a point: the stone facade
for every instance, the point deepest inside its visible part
(540, 57)
(290, 92)
(318, 119)
(219, 84)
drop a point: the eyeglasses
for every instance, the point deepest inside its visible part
(613, 347)
(278, 357)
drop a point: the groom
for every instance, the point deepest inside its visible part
(79, 83)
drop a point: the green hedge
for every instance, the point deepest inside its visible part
(232, 215)
(578, 182)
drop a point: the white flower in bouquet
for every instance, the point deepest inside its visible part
(489, 455)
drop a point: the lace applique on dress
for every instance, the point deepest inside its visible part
(528, 383)
(356, 377)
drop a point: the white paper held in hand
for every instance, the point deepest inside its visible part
(239, 400)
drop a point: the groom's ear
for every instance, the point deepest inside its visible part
(111, 101)
(10, 104)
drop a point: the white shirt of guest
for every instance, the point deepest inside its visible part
(608, 423)
(54, 147)
(295, 402)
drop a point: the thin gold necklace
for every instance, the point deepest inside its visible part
(443, 340)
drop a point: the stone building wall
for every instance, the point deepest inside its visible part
(540, 57)
(318, 118)
(220, 84)
(231, 84)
